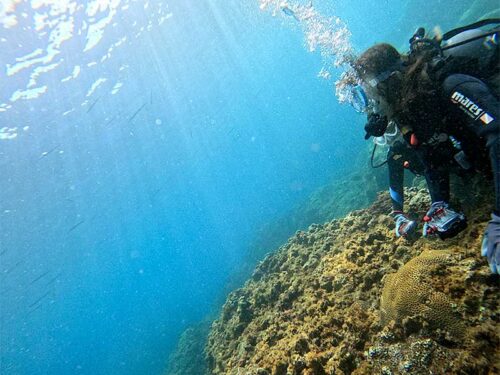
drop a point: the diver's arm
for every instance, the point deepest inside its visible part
(396, 180)
(480, 108)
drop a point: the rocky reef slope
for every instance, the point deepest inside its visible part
(189, 356)
(349, 297)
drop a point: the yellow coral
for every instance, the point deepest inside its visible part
(414, 290)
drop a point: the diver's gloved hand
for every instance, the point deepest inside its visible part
(376, 125)
(443, 221)
(491, 244)
(404, 226)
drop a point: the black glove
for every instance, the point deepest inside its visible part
(376, 125)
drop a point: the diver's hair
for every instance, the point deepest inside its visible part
(411, 90)
(418, 88)
(376, 60)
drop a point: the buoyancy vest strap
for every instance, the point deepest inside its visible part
(475, 25)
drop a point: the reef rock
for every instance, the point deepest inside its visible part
(188, 356)
(348, 297)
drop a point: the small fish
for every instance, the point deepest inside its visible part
(39, 277)
(258, 92)
(46, 153)
(33, 310)
(151, 97)
(110, 121)
(92, 105)
(155, 193)
(285, 9)
(51, 281)
(75, 226)
(14, 266)
(39, 299)
(136, 112)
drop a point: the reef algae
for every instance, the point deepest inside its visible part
(332, 301)
(188, 357)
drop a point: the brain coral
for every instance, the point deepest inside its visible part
(417, 289)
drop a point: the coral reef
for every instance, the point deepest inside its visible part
(415, 290)
(348, 297)
(189, 356)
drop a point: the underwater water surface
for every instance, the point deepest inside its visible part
(143, 144)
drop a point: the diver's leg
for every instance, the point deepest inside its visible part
(438, 183)
(396, 180)
(403, 225)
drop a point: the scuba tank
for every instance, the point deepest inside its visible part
(468, 50)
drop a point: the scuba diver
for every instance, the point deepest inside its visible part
(444, 88)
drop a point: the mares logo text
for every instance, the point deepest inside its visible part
(471, 108)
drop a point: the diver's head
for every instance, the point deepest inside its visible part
(380, 71)
(376, 60)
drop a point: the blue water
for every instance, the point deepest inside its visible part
(123, 214)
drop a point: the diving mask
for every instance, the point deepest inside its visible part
(380, 78)
(360, 101)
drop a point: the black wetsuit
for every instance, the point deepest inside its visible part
(400, 157)
(467, 109)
